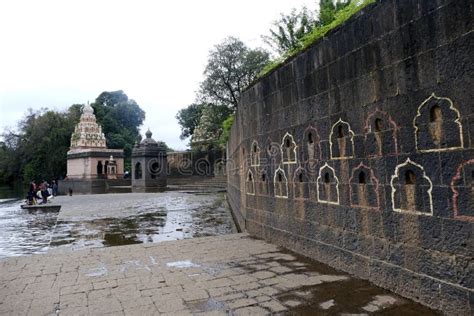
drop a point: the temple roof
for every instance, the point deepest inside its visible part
(87, 133)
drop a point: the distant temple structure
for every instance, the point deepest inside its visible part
(89, 161)
(149, 165)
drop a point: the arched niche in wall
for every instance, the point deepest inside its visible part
(364, 188)
(381, 135)
(411, 189)
(437, 125)
(327, 185)
(262, 183)
(250, 183)
(311, 145)
(254, 154)
(288, 149)
(99, 168)
(341, 140)
(300, 184)
(280, 183)
(462, 186)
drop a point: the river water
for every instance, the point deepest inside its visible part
(111, 220)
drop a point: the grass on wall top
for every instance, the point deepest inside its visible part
(317, 33)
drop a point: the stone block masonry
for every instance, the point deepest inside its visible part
(219, 275)
(359, 152)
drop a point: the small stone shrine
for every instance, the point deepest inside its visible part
(149, 165)
(89, 161)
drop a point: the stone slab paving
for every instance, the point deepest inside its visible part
(221, 275)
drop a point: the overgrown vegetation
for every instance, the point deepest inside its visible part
(340, 16)
(232, 67)
(226, 126)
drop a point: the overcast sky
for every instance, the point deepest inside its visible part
(57, 53)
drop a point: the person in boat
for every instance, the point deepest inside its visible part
(32, 193)
(44, 192)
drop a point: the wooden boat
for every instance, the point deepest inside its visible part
(42, 207)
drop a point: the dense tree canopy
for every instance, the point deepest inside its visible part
(188, 118)
(231, 67)
(37, 149)
(120, 118)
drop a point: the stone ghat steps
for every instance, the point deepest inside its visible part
(197, 183)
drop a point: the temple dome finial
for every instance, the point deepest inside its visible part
(87, 109)
(148, 134)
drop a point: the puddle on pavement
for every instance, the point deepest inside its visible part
(23, 232)
(338, 294)
(334, 292)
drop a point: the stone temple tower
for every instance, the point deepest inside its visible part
(149, 166)
(88, 157)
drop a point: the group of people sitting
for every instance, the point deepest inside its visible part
(41, 192)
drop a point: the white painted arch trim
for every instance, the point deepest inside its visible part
(275, 181)
(337, 184)
(351, 132)
(394, 190)
(457, 121)
(294, 150)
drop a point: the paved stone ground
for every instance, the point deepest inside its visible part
(230, 274)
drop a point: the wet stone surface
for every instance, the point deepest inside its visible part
(112, 220)
(219, 275)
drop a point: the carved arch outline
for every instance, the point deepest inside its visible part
(295, 146)
(457, 121)
(394, 190)
(352, 134)
(456, 178)
(317, 143)
(374, 179)
(337, 184)
(390, 120)
(279, 170)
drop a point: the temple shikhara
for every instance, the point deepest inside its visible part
(89, 161)
(89, 157)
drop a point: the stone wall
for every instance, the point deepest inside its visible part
(359, 152)
(196, 163)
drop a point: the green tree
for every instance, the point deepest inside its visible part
(38, 150)
(120, 118)
(226, 126)
(328, 10)
(286, 33)
(231, 67)
(188, 119)
(209, 130)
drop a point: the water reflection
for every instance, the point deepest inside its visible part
(23, 232)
